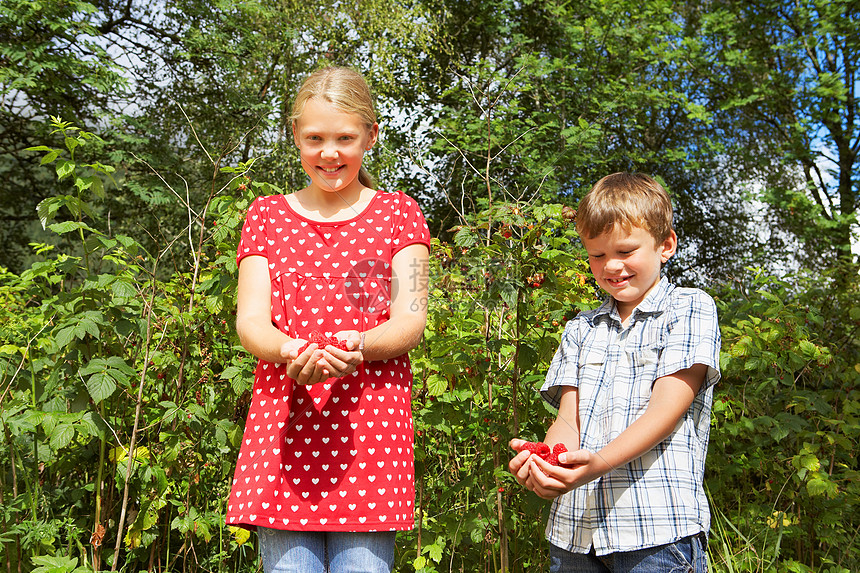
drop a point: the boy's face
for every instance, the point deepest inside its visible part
(627, 264)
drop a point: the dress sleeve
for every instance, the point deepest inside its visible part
(693, 337)
(253, 239)
(564, 368)
(410, 226)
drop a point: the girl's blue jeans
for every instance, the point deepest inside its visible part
(686, 555)
(326, 551)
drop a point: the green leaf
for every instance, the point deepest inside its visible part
(465, 238)
(435, 551)
(97, 187)
(230, 372)
(69, 226)
(817, 486)
(123, 289)
(93, 424)
(214, 304)
(65, 336)
(47, 208)
(64, 169)
(436, 385)
(52, 564)
(100, 386)
(61, 436)
(49, 158)
(808, 349)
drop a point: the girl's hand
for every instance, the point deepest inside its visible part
(338, 363)
(304, 368)
(290, 349)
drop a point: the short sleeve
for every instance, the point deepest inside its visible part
(564, 367)
(253, 239)
(693, 336)
(410, 227)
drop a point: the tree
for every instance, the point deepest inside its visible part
(784, 75)
(178, 90)
(537, 101)
(50, 64)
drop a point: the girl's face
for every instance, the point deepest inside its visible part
(331, 144)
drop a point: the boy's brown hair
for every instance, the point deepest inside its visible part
(626, 199)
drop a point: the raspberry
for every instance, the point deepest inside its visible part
(539, 448)
(321, 340)
(543, 451)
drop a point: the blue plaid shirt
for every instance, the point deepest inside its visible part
(659, 497)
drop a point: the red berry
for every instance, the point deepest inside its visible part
(552, 459)
(321, 340)
(559, 449)
(539, 448)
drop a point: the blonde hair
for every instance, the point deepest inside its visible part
(626, 199)
(346, 90)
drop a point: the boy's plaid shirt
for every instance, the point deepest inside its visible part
(659, 497)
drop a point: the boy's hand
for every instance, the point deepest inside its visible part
(549, 481)
(519, 464)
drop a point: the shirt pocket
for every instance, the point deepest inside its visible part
(591, 364)
(644, 358)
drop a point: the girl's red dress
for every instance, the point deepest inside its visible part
(332, 456)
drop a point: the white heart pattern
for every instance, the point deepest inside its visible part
(305, 443)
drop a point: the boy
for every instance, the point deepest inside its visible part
(633, 382)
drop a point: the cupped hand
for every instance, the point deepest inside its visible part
(304, 367)
(549, 481)
(519, 465)
(339, 363)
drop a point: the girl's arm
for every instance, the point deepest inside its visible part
(410, 281)
(257, 333)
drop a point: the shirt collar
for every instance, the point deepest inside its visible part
(654, 303)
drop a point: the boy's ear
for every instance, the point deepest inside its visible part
(295, 135)
(668, 247)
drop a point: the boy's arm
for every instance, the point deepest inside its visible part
(671, 397)
(565, 430)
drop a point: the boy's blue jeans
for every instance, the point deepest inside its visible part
(686, 555)
(325, 552)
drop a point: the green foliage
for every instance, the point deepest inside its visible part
(101, 358)
(782, 466)
(500, 294)
(538, 100)
(123, 387)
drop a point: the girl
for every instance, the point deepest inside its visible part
(325, 470)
